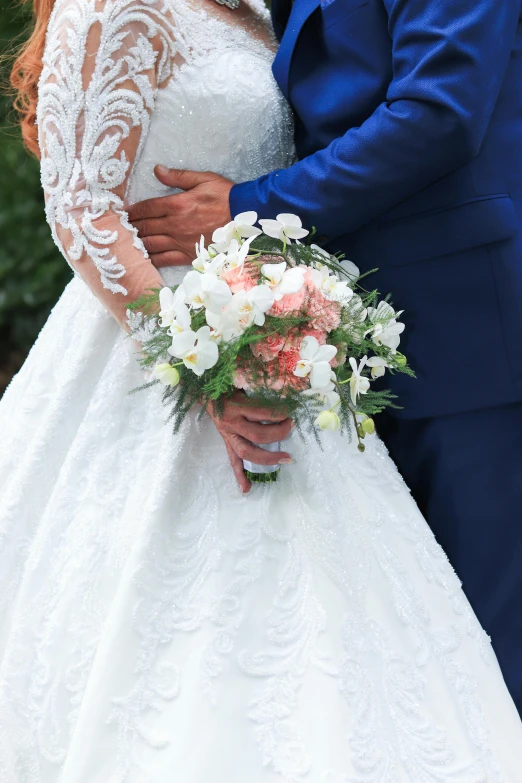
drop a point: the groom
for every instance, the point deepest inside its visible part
(409, 136)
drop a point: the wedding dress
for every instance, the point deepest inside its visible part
(155, 624)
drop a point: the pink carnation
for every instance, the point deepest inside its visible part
(281, 372)
(269, 347)
(243, 278)
(325, 315)
(290, 303)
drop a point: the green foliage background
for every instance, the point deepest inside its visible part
(32, 272)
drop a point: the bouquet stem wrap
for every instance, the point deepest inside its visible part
(263, 474)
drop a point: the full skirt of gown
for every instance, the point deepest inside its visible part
(157, 625)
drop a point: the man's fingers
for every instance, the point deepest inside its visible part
(238, 468)
(246, 450)
(161, 243)
(171, 258)
(150, 227)
(180, 178)
(151, 208)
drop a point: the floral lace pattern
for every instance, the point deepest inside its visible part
(83, 129)
(105, 65)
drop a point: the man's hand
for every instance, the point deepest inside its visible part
(240, 428)
(170, 226)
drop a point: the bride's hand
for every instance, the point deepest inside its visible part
(240, 427)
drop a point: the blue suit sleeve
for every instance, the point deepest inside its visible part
(449, 61)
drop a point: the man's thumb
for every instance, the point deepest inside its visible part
(178, 178)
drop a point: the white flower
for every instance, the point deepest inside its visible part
(285, 227)
(328, 420)
(196, 349)
(251, 305)
(330, 285)
(385, 330)
(237, 253)
(378, 366)
(327, 396)
(242, 227)
(244, 309)
(281, 280)
(206, 290)
(169, 304)
(351, 270)
(167, 374)
(358, 383)
(320, 251)
(182, 322)
(205, 261)
(315, 362)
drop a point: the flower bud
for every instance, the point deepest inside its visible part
(400, 359)
(167, 374)
(328, 420)
(368, 425)
(361, 447)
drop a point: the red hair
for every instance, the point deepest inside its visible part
(26, 74)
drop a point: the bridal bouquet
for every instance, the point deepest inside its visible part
(284, 321)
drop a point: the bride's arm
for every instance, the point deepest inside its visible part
(103, 64)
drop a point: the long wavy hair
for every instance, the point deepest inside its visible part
(26, 71)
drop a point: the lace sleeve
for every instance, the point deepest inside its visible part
(103, 64)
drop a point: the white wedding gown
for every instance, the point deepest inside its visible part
(155, 624)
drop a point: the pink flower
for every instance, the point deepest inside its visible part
(269, 347)
(241, 381)
(290, 303)
(325, 315)
(243, 278)
(295, 337)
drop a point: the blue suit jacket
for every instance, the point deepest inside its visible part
(409, 137)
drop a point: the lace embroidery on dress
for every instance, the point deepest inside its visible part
(103, 66)
(93, 118)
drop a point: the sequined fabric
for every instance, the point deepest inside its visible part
(156, 625)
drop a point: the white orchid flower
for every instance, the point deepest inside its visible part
(385, 330)
(358, 383)
(237, 253)
(182, 322)
(167, 374)
(378, 366)
(196, 349)
(330, 285)
(205, 261)
(328, 420)
(217, 324)
(285, 227)
(326, 396)
(282, 280)
(320, 251)
(206, 290)
(252, 305)
(169, 304)
(351, 270)
(315, 362)
(242, 227)
(244, 309)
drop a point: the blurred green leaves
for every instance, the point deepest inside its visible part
(32, 271)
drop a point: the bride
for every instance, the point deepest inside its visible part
(156, 623)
